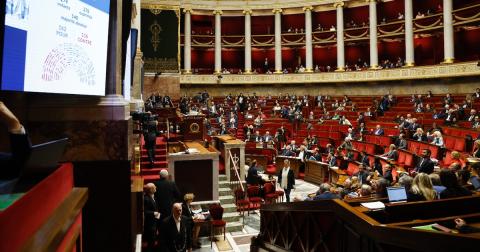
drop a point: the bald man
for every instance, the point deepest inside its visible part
(174, 235)
(167, 193)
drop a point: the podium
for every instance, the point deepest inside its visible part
(193, 128)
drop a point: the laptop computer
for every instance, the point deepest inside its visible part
(397, 194)
(44, 158)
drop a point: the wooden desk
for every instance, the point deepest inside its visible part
(196, 172)
(295, 164)
(316, 172)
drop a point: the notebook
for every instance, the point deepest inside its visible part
(397, 194)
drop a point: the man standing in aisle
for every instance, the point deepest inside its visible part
(286, 179)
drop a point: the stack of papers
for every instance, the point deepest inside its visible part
(373, 205)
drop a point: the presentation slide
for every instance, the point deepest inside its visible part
(55, 46)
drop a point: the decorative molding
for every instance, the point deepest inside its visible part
(215, 12)
(310, 8)
(406, 73)
(277, 10)
(248, 11)
(338, 4)
(185, 10)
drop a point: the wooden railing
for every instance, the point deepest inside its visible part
(335, 225)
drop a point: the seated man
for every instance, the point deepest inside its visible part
(392, 153)
(12, 163)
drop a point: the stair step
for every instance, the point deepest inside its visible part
(156, 164)
(157, 158)
(229, 199)
(150, 178)
(234, 226)
(223, 184)
(224, 191)
(229, 208)
(152, 171)
(231, 217)
(222, 177)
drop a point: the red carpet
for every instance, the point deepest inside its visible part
(151, 174)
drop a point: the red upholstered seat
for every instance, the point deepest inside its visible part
(269, 193)
(352, 168)
(218, 223)
(216, 212)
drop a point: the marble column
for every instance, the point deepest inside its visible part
(340, 37)
(248, 41)
(278, 40)
(218, 41)
(308, 39)
(448, 35)
(409, 47)
(136, 102)
(187, 48)
(373, 34)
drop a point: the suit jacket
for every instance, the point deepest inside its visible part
(12, 163)
(393, 155)
(252, 176)
(288, 153)
(167, 193)
(171, 240)
(150, 223)
(426, 165)
(378, 132)
(422, 138)
(362, 177)
(290, 179)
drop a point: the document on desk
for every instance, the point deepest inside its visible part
(376, 205)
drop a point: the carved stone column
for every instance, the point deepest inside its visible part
(248, 41)
(373, 34)
(218, 41)
(308, 39)
(409, 47)
(448, 35)
(340, 37)
(278, 40)
(187, 48)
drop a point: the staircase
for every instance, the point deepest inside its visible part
(227, 200)
(151, 174)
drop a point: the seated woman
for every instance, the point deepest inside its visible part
(437, 139)
(476, 149)
(422, 188)
(419, 135)
(455, 157)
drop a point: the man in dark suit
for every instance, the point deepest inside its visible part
(20, 146)
(286, 179)
(150, 136)
(174, 237)
(167, 193)
(362, 174)
(252, 176)
(288, 151)
(151, 215)
(392, 153)
(378, 131)
(426, 165)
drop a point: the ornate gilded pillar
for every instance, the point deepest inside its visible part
(278, 40)
(340, 37)
(448, 35)
(187, 48)
(248, 41)
(308, 39)
(409, 48)
(218, 41)
(373, 34)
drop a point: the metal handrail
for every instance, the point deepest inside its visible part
(235, 167)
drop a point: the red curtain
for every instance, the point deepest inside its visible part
(203, 58)
(466, 44)
(203, 24)
(428, 50)
(325, 18)
(355, 52)
(293, 21)
(425, 5)
(391, 50)
(357, 14)
(390, 10)
(325, 56)
(233, 25)
(289, 58)
(263, 24)
(233, 58)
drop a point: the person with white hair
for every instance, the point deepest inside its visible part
(174, 235)
(437, 139)
(167, 193)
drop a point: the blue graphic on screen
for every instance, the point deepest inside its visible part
(14, 49)
(17, 8)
